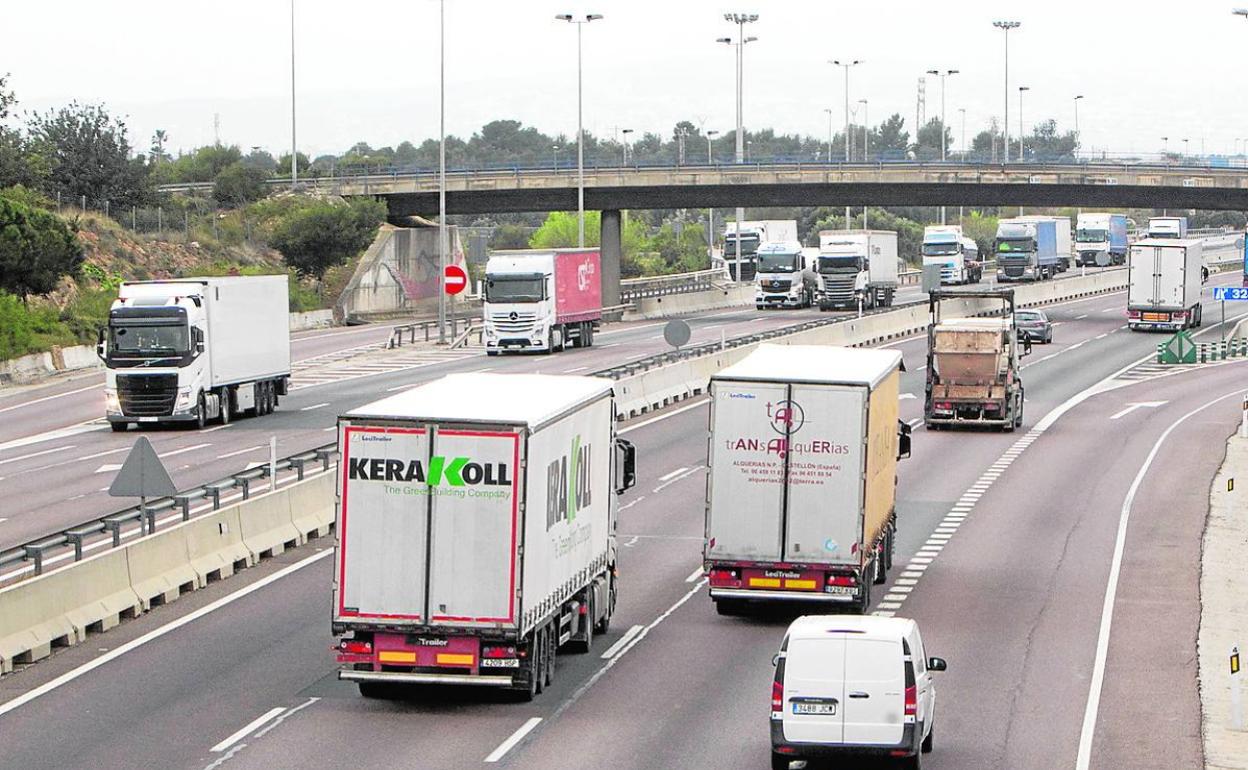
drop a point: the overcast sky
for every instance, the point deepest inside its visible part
(368, 69)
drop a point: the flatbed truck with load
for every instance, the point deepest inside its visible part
(973, 365)
(476, 526)
(190, 350)
(802, 479)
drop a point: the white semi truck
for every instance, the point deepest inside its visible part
(785, 276)
(803, 473)
(957, 255)
(1061, 234)
(191, 350)
(857, 266)
(476, 527)
(542, 300)
(1167, 227)
(750, 235)
(1164, 283)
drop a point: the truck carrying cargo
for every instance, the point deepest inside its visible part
(542, 300)
(857, 266)
(1167, 227)
(1165, 277)
(786, 276)
(1101, 238)
(1062, 243)
(1027, 249)
(750, 235)
(957, 255)
(195, 349)
(972, 366)
(803, 472)
(476, 530)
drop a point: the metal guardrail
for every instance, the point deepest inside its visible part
(427, 328)
(116, 525)
(633, 289)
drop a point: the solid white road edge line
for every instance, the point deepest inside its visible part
(247, 729)
(697, 573)
(156, 633)
(621, 642)
(49, 398)
(38, 454)
(1084, 757)
(515, 738)
(673, 413)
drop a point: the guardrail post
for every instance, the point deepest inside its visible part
(297, 464)
(216, 498)
(324, 455)
(75, 539)
(37, 553)
(185, 502)
(246, 487)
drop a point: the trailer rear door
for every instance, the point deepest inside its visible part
(749, 430)
(825, 473)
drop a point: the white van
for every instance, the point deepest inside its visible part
(852, 685)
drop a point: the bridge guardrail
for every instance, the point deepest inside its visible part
(632, 289)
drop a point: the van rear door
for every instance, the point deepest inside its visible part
(875, 685)
(814, 690)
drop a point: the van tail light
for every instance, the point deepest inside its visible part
(777, 697)
(848, 581)
(912, 701)
(353, 647)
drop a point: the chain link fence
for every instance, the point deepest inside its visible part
(178, 220)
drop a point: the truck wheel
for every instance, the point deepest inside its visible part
(728, 607)
(589, 334)
(780, 761)
(585, 644)
(119, 427)
(224, 397)
(604, 625)
(890, 547)
(541, 660)
(375, 690)
(271, 405)
(201, 412)
(881, 569)
(552, 654)
(864, 603)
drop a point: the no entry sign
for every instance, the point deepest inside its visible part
(456, 279)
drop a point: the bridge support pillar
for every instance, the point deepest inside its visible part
(611, 246)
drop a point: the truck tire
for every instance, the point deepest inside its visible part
(552, 654)
(541, 661)
(271, 405)
(589, 334)
(225, 399)
(864, 604)
(729, 607)
(780, 761)
(881, 566)
(929, 742)
(379, 690)
(201, 412)
(604, 625)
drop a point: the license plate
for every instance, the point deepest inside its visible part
(147, 419)
(815, 709)
(500, 663)
(841, 590)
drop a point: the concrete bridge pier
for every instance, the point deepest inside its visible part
(611, 246)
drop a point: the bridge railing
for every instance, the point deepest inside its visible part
(633, 289)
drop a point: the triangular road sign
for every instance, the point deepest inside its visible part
(142, 474)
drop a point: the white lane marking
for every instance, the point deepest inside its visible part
(697, 573)
(327, 430)
(681, 477)
(621, 642)
(156, 633)
(73, 430)
(314, 406)
(3, 520)
(1133, 405)
(1081, 317)
(674, 473)
(1084, 757)
(905, 396)
(575, 369)
(632, 542)
(515, 738)
(915, 422)
(106, 467)
(630, 504)
(247, 729)
(286, 716)
(1111, 309)
(610, 345)
(183, 450)
(1101, 336)
(653, 420)
(1058, 323)
(217, 428)
(38, 454)
(242, 451)
(885, 608)
(49, 398)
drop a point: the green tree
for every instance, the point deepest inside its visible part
(319, 235)
(982, 229)
(87, 153)
(239, 184)
(681, 245)
(1044, 142)
(559, 231)
(36, 249)
(283, 166)
(509, 236)
(928, 140)
(157, 152)
(891, 139)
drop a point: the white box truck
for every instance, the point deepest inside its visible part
(1167, 227)
(1061, 234)
(857, 266)
(751, 235)
(957, 255)
(476, 530)
(1164, 282)
(785, 276)
(542, 300)
(803, 472)
(1101, 238)
(195, 349)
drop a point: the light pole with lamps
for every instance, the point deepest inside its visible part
(943, 143)
(1022, 152)
(740, 19)
(1185, 156)
(829, 111)
(442, 243)
(1165, 149)
(1077, 137)
(580, 133)
(624, 147)
(294, 152)
(1005, 127)
(846, 66)
(555, 149)
(866, 139)
(963, 111)
(710, 210)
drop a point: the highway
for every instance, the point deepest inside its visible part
(1005, 549)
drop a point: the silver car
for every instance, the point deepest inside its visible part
(1034, 326)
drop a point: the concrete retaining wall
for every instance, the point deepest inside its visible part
(664, 385)
(61, 607)
(313, 319)
(678, 304)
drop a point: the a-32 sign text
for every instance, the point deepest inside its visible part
(1230, 293)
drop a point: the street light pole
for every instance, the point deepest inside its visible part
(865, 149)
(442, 245)
(624, 149)
(710, 210)
(845, 66)
(943, 143)
(580, 132)
(1005, 128)
(1078, 141)
(740, 19)
(829, 111)
(294, 153)
(963, 111)
(1022, 151)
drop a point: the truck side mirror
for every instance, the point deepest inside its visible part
(903, 440)
(99, 342)
(625, 465)
(198, 334)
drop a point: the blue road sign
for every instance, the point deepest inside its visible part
(1230, 293)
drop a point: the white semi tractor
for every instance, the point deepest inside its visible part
(476, 530)
(857, 267)
(785, 276)
(191, 350)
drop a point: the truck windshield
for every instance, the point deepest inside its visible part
(1085, 235)
(749, 244)
(515, 288)
(141, 339)
(1012, 245)
(847, 264)
(777, 263)
(940, 249)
